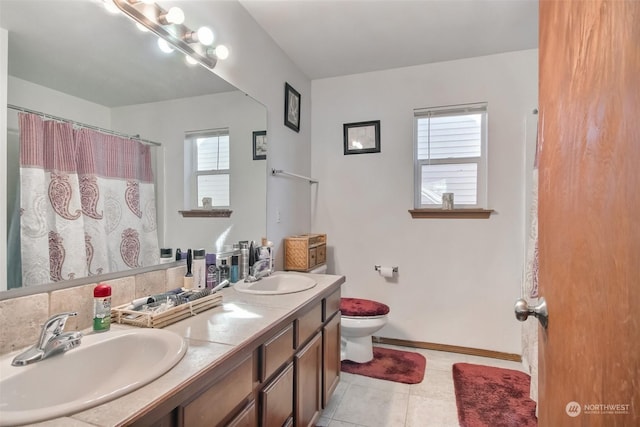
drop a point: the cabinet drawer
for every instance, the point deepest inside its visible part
(312, 257)
(321, 254)
(277, 399)
(216, 403)
(276, 352)
(307, 324)
(246, 418)
(331, 305)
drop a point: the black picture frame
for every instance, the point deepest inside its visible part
(291, 107)
(260, 145)
(362, 137)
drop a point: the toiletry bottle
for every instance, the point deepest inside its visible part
(212, 276)
(224, 270)
(233, 272)
(101, 307)
(178, 254)
(252, 258)
(166, 255)
(199, 269)
(188, 278)
(243, 262)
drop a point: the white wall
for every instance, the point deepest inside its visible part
(167, 122)
(458, 279)
(260, 68)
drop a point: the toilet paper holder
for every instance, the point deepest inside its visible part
(378, 267)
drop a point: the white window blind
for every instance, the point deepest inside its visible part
(211, 166)
(450, 153)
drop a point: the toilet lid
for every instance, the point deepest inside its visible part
(362, 307)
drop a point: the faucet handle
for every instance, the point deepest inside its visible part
(55, 324)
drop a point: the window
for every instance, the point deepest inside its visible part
(209, 167)
(451, 155)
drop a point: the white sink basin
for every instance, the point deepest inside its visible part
(105, 366)
(277, 284)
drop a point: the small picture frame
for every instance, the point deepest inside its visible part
(362, 137)
(291, 107)
(260, 145)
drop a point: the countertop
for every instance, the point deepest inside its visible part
(212, 336)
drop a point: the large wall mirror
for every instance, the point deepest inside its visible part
(75, 60)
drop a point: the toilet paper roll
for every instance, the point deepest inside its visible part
(386, 271)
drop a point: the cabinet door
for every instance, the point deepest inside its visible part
(331, 360)
(308, 369)
(247, 418)
(219, 401)
(277, 399)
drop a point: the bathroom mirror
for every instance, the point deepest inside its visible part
(78, 49)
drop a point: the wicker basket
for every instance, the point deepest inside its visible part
(122, 315)
(304, 252)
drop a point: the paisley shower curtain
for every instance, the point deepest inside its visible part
(87, 202)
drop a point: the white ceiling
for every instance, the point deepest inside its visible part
(327, 38)
(77, 48)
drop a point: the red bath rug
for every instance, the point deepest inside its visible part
(493, 397)
(391, 365)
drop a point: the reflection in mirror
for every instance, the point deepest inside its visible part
(103, 72)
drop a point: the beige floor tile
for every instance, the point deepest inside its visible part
(436, 385)
(372, 407)
(426, 412)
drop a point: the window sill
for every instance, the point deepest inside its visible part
(206, 213)
(453, 213)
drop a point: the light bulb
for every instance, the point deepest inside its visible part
(205, 36)
(111, 8)
(164, 46)
(142, 27)
(222, 52)
(175, 15)
(190, 60)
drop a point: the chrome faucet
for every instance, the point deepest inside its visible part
(258, 270)
(52, 341)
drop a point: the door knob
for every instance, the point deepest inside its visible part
(523, 311)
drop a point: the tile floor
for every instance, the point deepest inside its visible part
(368, 402)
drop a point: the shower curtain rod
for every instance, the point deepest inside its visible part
(83, 125)
(275, 172)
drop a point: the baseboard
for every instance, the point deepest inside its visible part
(450, 348)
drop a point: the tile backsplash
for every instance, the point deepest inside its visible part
(21, 318)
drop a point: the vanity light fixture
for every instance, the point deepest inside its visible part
(204, 35)
(175, 15)
(164, 46)
(168, 26)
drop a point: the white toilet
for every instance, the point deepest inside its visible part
(360, 319)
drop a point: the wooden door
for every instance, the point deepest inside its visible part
(589, 212)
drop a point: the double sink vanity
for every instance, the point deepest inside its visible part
(268, 356)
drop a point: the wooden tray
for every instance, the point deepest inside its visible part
(122, 315)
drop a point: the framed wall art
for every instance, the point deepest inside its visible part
(260, 145)
(291, 107)
(362, 137)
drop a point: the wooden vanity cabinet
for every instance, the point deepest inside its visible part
(283, 380)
